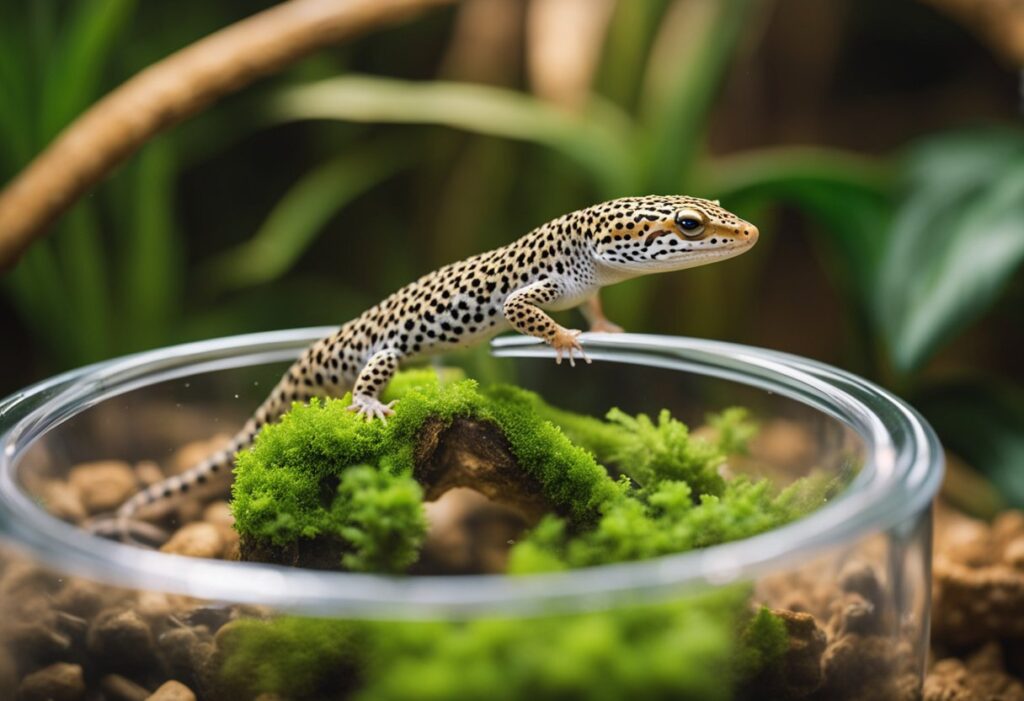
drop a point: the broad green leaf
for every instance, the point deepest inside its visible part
(847, 194)
(697, 41)
(955, 242)
(982, 422)
(296, 220)
(598, 140)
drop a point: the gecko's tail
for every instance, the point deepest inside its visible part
(127, 525)
(130, 522)
(302, 381)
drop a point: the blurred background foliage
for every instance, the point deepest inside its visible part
(878, 145)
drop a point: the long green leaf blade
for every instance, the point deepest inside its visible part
(152, 261)
(300, 215)
(690, 57)
(598, 140)
(88, 40)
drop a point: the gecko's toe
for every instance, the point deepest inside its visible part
(127, 530)
(566, 344)
(371, 408)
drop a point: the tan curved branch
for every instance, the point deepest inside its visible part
(168, 92)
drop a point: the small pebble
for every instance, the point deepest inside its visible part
(198, 539)
(58, 682)
(188, 510)
(173, 691)
(104, 485)
(186, 650)
(118, 688)
(195, 452)
(21, 579)
(121, 641)
(63, 501)
(858, 577)
(1013, 554)
(38, 641)
(80, 598)
(148, 473)
(153, 606)
(219, 514)
(1008, 525)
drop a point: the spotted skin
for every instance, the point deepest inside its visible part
(559, 265)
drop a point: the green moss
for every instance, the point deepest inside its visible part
(674, 498)
(669, 497)
(695, 648)
(380, 518)
(278, 488)
(297, 657)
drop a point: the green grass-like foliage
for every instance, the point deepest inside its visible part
(669, 496)
(698, 648)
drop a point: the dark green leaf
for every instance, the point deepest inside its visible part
(846, 194)
(957, 239)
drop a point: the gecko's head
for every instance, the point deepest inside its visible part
(640, 235)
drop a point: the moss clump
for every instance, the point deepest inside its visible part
(697, 648)
(380, 518)
(307, 477)
(674, 498)
(279, 488)
(622, 488)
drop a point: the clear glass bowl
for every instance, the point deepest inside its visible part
(853, 575)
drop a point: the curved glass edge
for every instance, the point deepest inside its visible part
(902, 473)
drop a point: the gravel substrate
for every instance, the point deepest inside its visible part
(70, 640)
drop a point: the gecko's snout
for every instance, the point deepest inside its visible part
(750, 233)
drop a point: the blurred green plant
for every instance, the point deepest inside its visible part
(919, 245)
(923, 243)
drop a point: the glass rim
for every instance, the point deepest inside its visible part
(902, 471)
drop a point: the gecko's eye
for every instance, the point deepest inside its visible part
(690, 222)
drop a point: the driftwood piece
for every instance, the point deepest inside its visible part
(465, 454)
(475, 454)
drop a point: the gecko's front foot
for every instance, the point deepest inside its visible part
(567, 341)
(371, 407)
